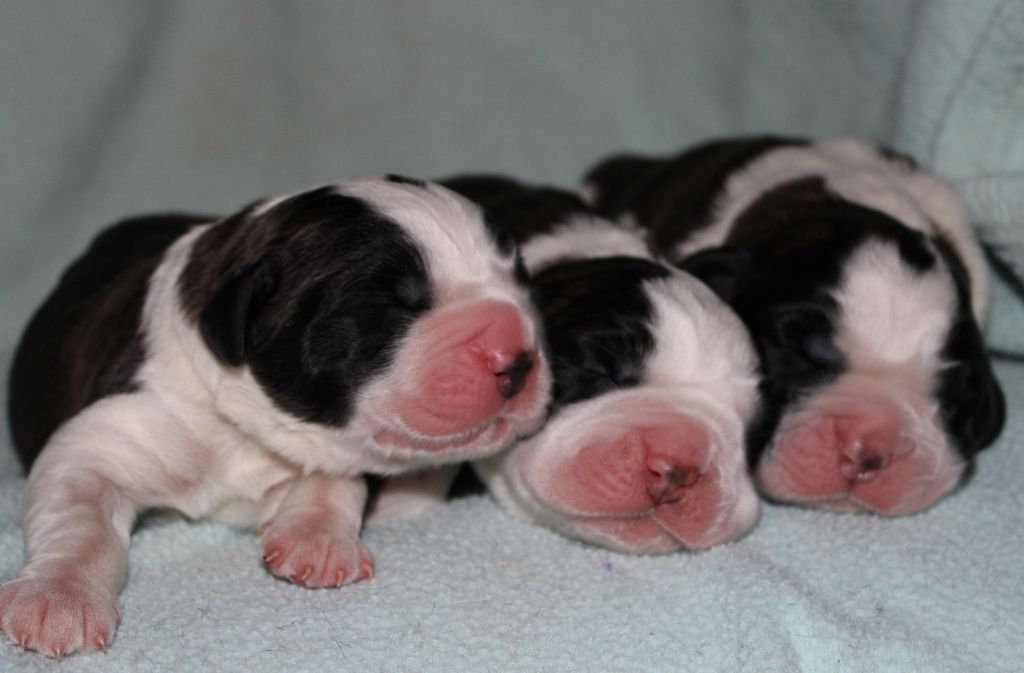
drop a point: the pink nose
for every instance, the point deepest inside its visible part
(512, 379)
(674, 454)
(866, 445)
(484, 364)
(667, 481)
(503, 360)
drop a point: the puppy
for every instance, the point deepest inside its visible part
(863, 287)
(653, 385)
(250, 370)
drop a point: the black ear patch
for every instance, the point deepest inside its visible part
(723, 269)
(598, 316)
(230, 321)
(403, 180)
(972, 405)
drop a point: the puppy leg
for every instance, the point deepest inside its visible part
(76, 541)
(409, 496)
(312, 538)
(98, 470)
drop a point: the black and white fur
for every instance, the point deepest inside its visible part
(624, 334)
(852, 269)
(237, 370)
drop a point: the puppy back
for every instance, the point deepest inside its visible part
(84, 342)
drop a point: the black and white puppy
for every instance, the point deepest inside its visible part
(863, 288)
(653, 386)
(251, 370)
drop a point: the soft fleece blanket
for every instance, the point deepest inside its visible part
(118, 106)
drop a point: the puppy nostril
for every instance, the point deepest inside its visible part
(667, 483)
(681, 476)
(871, 463)
(863, 470)
(512, 379)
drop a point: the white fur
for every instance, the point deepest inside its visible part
(891, 314)
(582, 237)
(457, 257)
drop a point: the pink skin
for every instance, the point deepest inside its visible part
(64, 600)
(312, 538)
(457, 392)
(857, 457)
(651, 484)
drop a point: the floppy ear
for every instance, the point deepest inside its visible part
(230, 321)
(987, 409)
(724, 269)
(973, 406)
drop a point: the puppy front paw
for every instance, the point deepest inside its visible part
(313, 554)
(57, 616)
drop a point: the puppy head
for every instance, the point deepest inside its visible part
(876, 388)
(381, 310)
(653, 387)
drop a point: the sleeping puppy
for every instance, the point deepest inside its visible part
(653, 385)
(250, 370)
(863, 288)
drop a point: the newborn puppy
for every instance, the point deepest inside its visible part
(653, 385)
(250, 370)
(863, 288)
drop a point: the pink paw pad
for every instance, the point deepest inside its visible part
(314, 556)
(57, 617)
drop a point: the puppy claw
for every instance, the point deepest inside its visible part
(366, 569)
(313, 554)
(56, 617)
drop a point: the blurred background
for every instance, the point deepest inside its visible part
(116, 107)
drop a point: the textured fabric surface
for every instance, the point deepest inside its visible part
(115, 107)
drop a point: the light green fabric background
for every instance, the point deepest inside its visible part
(114, 107)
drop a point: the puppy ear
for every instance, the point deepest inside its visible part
(972, 403)
(230, 321)
(988, 411)
(724, 269)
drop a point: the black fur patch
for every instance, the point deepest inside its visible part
(403, 180)
(319, 309)
(516, 213)
(597, 317)
(971, 401)
(672, 198)
(83, 343)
